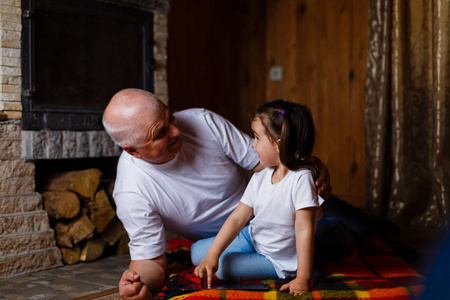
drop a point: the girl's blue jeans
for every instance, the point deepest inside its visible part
(239, 261)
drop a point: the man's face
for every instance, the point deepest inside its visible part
(163, 142)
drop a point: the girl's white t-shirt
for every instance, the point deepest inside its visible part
(274, 207)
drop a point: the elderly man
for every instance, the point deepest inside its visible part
(182, 172)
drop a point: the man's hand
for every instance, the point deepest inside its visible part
(132, 288)
(142, 277)
(207, 267)
(296, 287)
(322, 182)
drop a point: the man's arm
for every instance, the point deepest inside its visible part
(151, 271)
(259, 167)
(142, 276)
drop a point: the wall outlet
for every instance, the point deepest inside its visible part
(276, 73)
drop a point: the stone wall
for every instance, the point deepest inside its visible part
(26, 240)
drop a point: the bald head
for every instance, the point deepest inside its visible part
(129, 114)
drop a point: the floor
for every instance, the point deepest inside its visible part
(98, 280)
(93, 280)
(426, 241)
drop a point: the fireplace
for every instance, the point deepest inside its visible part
(50, 108)
(75, 55)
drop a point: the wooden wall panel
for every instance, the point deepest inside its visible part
(322, 47)
(216, 53)
(251, 67)
(281, 48)
(358, 64)
(220, 53)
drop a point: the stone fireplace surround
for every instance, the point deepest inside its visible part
(26, 240)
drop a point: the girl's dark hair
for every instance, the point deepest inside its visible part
(292, 124)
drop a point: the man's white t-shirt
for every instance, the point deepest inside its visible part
(194, 193)
(274, 206)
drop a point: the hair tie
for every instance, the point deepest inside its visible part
(282, 112)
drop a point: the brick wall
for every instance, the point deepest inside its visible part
(10, 67)
(26, 240)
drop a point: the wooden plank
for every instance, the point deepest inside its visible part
(113, 232)
(337, 112)
(327, 49)
(205, 49)
(101, 212)
(110, 292)
(357, 97)
(84, 182)
(81, 228)
(63, 204)
(71, 256)
(309, 35)
(92, 249)
(252, 68)
(281, 48)
(122, 244)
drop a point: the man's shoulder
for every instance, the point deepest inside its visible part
(132, 173)
(196, 122)
(191, 113)
(191, 117)
(200, 114)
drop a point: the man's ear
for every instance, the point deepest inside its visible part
(132, 151)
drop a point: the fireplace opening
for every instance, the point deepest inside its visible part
(46, 167)
(75, 55)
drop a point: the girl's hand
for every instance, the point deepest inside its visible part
(207, 267)
(296, 287)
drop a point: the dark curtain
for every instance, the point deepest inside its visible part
(407, 111)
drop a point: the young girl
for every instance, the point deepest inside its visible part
(279, 242)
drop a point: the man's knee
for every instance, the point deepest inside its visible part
(333, 241)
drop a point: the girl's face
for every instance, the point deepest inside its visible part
(266, 149)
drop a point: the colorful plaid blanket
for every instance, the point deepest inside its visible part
(372, 271)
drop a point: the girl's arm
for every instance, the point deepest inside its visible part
(304, 240)
(230, 229)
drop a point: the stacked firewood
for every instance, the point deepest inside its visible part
(83, 216)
